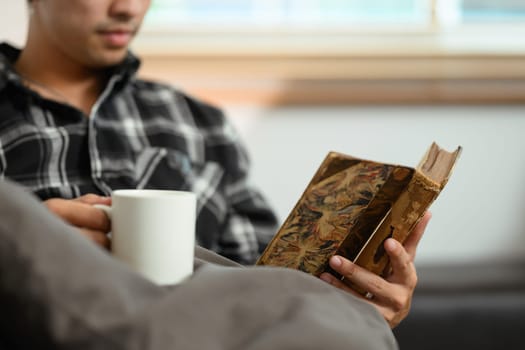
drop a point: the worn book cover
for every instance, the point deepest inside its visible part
(352, 205)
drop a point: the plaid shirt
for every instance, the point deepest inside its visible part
(139, 135)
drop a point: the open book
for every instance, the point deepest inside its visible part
(351, 206)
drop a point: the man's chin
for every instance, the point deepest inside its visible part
(109, 59)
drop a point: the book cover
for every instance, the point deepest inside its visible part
(351, 206)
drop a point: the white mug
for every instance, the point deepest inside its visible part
(153, 231)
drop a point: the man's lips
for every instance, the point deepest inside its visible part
(117, 38)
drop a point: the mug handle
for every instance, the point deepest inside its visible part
(105, 208)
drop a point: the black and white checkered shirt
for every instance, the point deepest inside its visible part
(139, 135)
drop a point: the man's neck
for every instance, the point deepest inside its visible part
(57, 77)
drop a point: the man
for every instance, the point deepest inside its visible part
(77, 123)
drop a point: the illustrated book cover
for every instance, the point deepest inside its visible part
(351, 206)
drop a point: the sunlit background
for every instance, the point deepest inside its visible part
(375, 79)
(331, 13)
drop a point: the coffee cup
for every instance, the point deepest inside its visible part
(153, 231)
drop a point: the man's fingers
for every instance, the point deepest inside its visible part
(91, 199)
(328, 278)
(413, 239)
(391, 296)
(359, 277)
(79, 214)
(100, 238)
(403, 269)
(92, 222)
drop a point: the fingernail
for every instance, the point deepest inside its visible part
(390, 244)
(336, 261)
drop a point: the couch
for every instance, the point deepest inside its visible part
(467, 306)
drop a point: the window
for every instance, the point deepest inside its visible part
(266, 13)
(492, 11)
(339, 50)
(328, 13)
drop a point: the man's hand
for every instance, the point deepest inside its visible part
(80, 212)
(391, 296)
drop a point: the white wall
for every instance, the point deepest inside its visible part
(479, 215)
(481, 212)
(13, 18)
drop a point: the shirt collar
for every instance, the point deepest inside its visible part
(8, 55)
